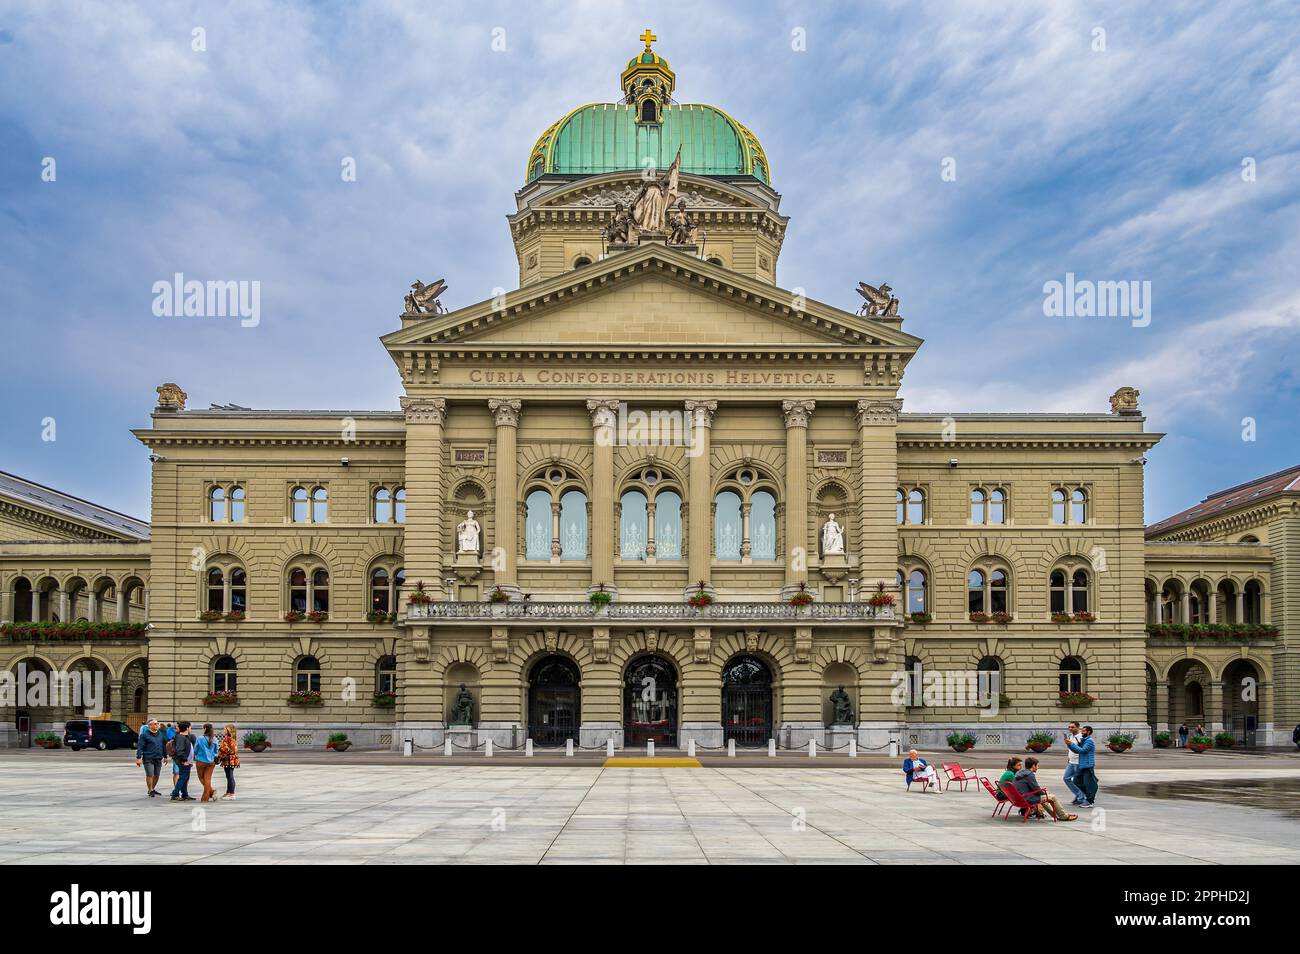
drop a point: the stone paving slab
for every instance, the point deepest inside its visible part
(79, 810)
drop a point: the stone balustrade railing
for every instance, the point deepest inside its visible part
(637, 611)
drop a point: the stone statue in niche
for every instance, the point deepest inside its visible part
(467, 534)
(462, 710)
(841, 707)
(832, 536)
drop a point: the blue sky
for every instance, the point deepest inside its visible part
(1115, 164)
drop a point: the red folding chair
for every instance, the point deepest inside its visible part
(1018, 799)
(955, 773)
(999, 803)
(921, 780)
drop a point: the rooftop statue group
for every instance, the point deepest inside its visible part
(656, 209)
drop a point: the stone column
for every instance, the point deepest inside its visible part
(1187, 607)
(796, 493)
(604, 423)
(699, 548)
(1240, 605)
(878, 482)
(506, 505)
(1162, 707)
(422, 536)
(1214, 706)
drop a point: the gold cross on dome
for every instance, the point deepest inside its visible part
(647, 37)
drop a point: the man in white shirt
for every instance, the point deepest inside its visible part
(1072, 734)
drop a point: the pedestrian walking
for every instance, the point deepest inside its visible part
(1072, 764)
(205, 757)
(1182, 736)
(183, 756)
(151, 752)
(1086, 776)
(228, 758)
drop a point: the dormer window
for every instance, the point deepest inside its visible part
(649, 113)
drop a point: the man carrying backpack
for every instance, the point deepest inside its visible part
(182, 754)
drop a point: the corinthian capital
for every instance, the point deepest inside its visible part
(797, 412)
(700, 413)
(604, 413)
(878, 411)
(424, 410)
(505, 412)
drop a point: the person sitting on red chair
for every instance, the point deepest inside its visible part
(1027, 784)
(916, 768)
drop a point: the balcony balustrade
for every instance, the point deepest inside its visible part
(640, 611)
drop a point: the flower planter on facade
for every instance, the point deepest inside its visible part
(1038, 747)
(1199, 746)
(221, 699)
(338, 746)
(1116, 747)
(258, 746)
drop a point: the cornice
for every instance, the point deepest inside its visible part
(42, 520)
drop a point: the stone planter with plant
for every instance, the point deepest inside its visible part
(1119, 742)
(339, 742)
(48, 740)
(1224, 740)
(961, 741)
(1199, 743)
(1039, 742)
(1162, 740)
(256, 741)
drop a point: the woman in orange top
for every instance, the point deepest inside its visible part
(228, 758)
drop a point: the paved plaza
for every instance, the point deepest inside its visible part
(89, 808)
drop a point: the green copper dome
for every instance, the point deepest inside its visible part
(648, 127)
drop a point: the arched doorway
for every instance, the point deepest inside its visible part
(1241, 689)
(554, 701)
(650, 702)
(747, 701)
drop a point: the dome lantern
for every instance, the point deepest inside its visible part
(648, 82)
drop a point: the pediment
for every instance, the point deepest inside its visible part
(654, 296)
(601, 192)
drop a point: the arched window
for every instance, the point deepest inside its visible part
(633, 526)
(648, 114)
(975, 586)
(762, 525)
(582, 261)
(225, 674)
(237, 496)
(216, 591)
(988, 680)
(320, 512)
(399, 505)
(1071, 674)
(309, 591)
(1058, 507)
(1079, 585)
(306, 674)
(382, 505)
(998, 592)
(912, 585)
(900, 507)
(1056, 584)
(726, 526)
(916, 506)
(912, 668)
(997, 506)
(380, 591)
(573, 525)
(1078, 506)
(217, 504)
(537, 525)
(386, 675)
(298, 505)
(238, 590)
(988, 506)
(668, 525)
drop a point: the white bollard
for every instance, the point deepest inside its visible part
(568, 746)
(853, 748)
(771, 748)
(528, 748)
(408, 748)
(812, 748)
(650, 748)
(893, 748)
(446, 746)
(731, 748)
(609, 747)
(487, 749)
(690, 748)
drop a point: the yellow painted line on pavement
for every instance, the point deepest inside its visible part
(646, 762)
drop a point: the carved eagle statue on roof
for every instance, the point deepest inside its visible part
(878, 301)
(422, 299)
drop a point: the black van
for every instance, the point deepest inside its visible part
(81, 734)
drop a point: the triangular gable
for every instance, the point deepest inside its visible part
(673, 286)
